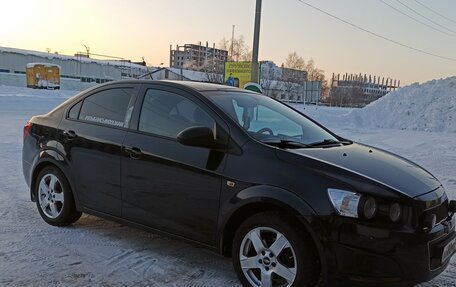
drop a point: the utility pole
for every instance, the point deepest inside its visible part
(232, 43)
(256, 42)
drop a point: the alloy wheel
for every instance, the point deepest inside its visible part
(50, 196)
(267, 258)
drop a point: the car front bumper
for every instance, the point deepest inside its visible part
(366, 256)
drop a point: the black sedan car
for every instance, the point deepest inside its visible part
(291, 202)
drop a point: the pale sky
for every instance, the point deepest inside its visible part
(145, 28)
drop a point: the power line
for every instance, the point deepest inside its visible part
(430, 20)
(435, 12)
(375, 34)
(414, 19)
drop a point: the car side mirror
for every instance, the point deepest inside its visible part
(199, 136)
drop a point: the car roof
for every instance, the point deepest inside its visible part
(197, 86)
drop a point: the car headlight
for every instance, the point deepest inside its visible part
(368, 207)
(395, 212)
(345, 202)
(352, 204)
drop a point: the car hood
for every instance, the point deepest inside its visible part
(376, 165)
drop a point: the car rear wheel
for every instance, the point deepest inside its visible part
(54, 198)
(270, 251)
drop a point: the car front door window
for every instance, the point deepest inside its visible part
(166, 114)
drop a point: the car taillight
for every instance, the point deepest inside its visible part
(27, 127)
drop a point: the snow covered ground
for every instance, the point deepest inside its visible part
(96, 252)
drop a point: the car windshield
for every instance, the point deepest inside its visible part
(270, 121)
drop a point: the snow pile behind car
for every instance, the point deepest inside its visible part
(430, 106)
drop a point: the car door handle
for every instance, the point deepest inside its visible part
(134, 152)
(69, 134)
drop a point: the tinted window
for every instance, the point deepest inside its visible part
(108, 107)
(266, 119)
(74, 111)
(165, 113)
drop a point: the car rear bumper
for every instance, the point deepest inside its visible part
(391, 258)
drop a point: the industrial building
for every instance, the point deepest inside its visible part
(358, 90)
(76, 72)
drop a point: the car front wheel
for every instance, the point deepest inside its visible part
(54, 198)
(270, 250)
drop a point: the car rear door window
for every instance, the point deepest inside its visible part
(167, 114)
(108, 107)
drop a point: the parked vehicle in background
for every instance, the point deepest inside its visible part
(43, 76)
(291, 202)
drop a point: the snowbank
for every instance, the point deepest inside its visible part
(430, 106)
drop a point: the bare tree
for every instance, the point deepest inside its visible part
(191, 65)
(241, 51)
(294, 61)
(209, 65)
(224, 44)
(316, 74)
(212, 69)
(294, 69)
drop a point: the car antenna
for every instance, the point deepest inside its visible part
(149, 73)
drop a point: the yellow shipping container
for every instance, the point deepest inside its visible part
(43, 76)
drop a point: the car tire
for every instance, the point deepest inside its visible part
(54, 198)
(271, 249)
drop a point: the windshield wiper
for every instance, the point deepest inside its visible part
(325, 142)
(295, 144)
(285, 143)
(330, 142)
